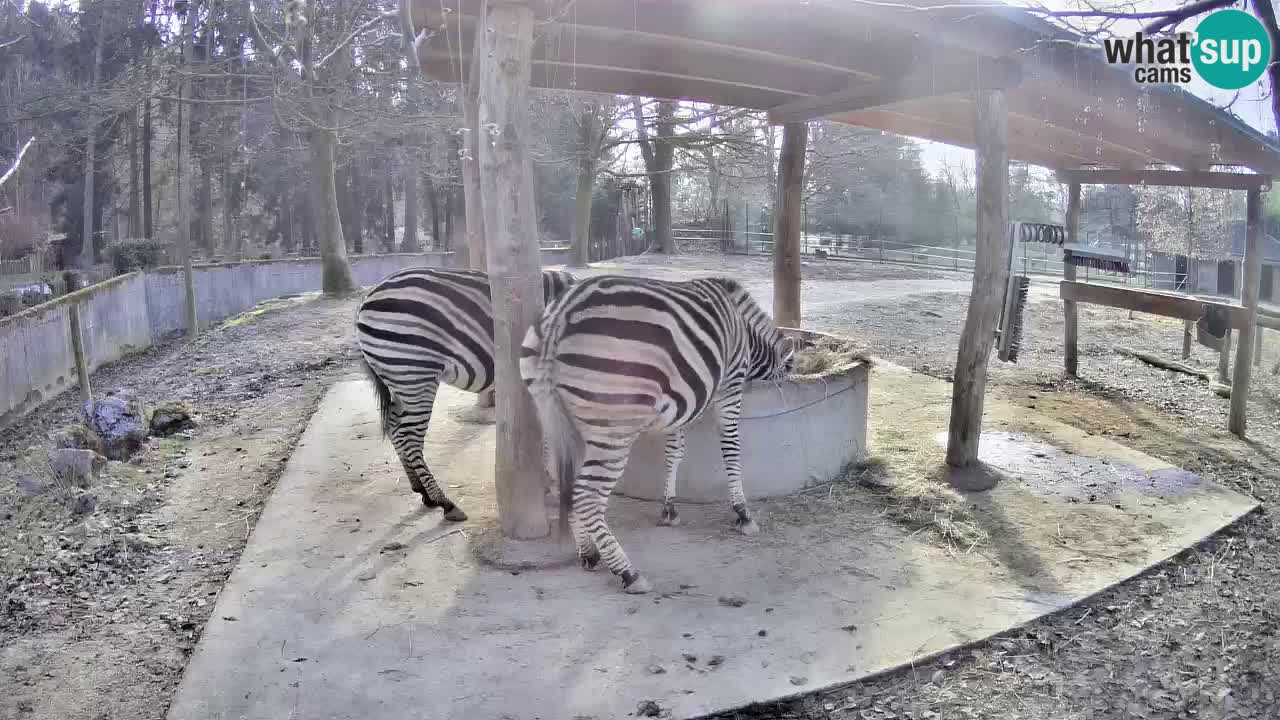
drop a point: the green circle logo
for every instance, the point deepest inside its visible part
(1231, 49)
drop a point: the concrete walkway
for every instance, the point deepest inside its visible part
(351, 602)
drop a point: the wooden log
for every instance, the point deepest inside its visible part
(786, 225)
(1171, 305)
(1224, 360)
(476, 249)
(73, 283)
(1249, 298)
(506, 180)
(992, 190)
(1070, 351)
(1157, 361)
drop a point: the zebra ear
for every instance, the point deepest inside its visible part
(790, 344)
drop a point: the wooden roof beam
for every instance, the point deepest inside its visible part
(1168, 178)
(925, 82)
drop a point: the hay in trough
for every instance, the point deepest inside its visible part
(826, 356)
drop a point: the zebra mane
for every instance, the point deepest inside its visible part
(731, 287)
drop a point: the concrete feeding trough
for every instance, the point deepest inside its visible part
(797, 433)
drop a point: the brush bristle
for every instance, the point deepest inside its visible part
(1015, 327)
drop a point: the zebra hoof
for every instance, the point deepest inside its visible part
(455, 514)
(638, 585)
(747, 526)
(669, 518)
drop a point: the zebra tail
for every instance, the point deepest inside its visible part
(561, 443)
(384, 397)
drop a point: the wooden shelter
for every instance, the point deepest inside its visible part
(1000, 80)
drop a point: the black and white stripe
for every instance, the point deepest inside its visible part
(616, 357)
(420, 327)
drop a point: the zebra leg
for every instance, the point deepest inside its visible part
(674, 454)
(408, 431)
(730, 405)
(602, 465)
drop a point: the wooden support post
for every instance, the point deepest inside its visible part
(1070, 351)
(990, 267)
(1224, 360)
(506, 180)
(72, 281)
(1257, 347)
(786, 225)
(475, 249)
(1248, 298)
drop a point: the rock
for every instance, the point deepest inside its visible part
(30, 486)
(938, 677)
(83, 504)
(171, 417)
(77, 436)
(76, 468)
(648, 708)
(120, 421)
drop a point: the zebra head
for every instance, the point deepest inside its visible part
(771, 353)
(554, 283)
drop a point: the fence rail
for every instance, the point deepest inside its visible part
(1029, 258)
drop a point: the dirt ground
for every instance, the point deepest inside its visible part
(98, 615)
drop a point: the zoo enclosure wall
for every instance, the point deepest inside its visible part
(131, 312)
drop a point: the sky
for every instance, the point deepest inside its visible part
(1251, 106)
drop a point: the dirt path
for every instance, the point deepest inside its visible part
(99, 616)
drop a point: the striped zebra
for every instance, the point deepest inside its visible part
(417, 328)
(616, 357)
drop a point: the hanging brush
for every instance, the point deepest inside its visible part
(1011, 336)
(1094, 258)
(1008, 336)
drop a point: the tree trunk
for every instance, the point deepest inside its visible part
(306, 208)
(204, 217)
(433, 200)
(90, 152)
(135, 194)
(476, 247)
(336, 272)
(184, 175)
(389, 212)
(147, 214)
(229, 239)
(286, 222)
(506, 173)
(588, 152)
(412, 168)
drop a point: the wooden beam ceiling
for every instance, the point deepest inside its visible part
(922, 82)
(1168, 178)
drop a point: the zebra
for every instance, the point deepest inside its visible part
(615, 357)
(417, 328)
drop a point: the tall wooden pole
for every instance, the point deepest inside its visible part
(1224, 359)
(989, 276)
(1249, 298)
(471, 137)
(786, 225)
(1070, 351)
(506, 178)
